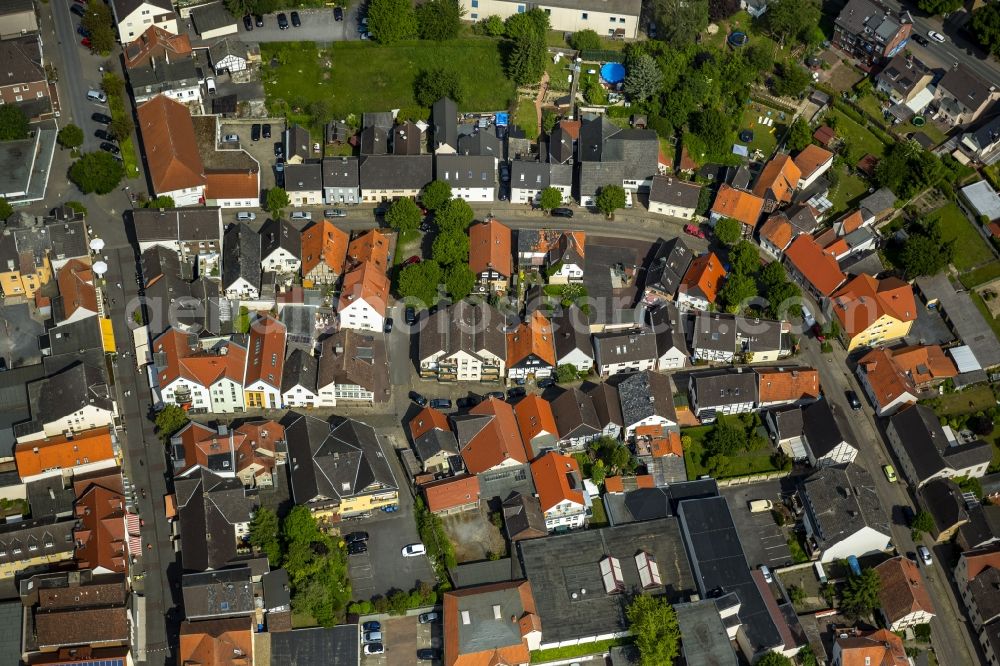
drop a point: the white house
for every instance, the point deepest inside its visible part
(571, 336)
(204, 380)
(232, 55)
(671, 344)
(824, 442)
(566, 258)
(133, 17)
(717, 392)
(265, 364)
(472, 177)
(73, 400)
(903, 598)
(620, 20)
(304, 183)
(646, 400)
(280, 247)
(843, 514)
(629, 350)
(298, 381)
(241, 263)
(364, 299)
(673, 198)
(812, 162)
(926, 450)
(463, 342)
(527, 180)
(561, 494)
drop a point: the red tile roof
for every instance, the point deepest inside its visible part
(156, 43)
(371, 247)
(777, 230)
(532, 337)
(787, 384)
(645, 481)
(891, 373)
(76, 287)
(489, 655)
(704, 277)
(368, 283)
(824, 134)
(490, 248)
(171, 149)
(815, 265)
(534, 416)
(265, 352)
(60, 452)
(976, 561)
(450, 493)
(864, 300)
(778, 180)
(614, 484)
(877, 648)
(224, 642)
(192, 362)
(850, 222)
(100, 535)
(903, 590)
(811, 158)
(427, 419)
(498, 440)
(324, 242)
(739, 205)
(243, 185)
(557, 479)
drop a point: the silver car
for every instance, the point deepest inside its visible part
(335, 212)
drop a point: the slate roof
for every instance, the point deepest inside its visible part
(74, 388)
(211, 17)
(466, 171)
(522, 517)
(624, 346)
(319, 646)
(209, 507)
(821, 428)
(925, 444)
(644, 394)
(374, 141)
(717, 388)
(241, 250)
(575, 414)
(840, 501)
(902, 589)
(668, 266)
(395, 172)
(281, 234)
(355, 358)
(305, 177)
(527, 175)
(444, 114)
(177, 224)
(942, 498)
(607, 403)
(480, 143)
(570, 332)
(674, 192)
(560, 145)
(216, 594)
(787, 421)
(340, 172)
(668, 325)
(300, 370)
(966, 87)
(435, 441)
(464, 326)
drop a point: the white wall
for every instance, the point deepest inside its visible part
(226, 396)
(190, 196)
(671, 210)
(359, 315)
(281, 261)
(136, 23)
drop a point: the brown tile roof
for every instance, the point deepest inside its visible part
(877, 648)
(704, 277)
(867, 164)
(557, 479)
(777, 230)
(62, 453)
(156, 43)
(614, 484)
(824, 134)
(903, 590)
(489, 248)
(427, 419)
(995, 229)
(190, 361)
(371, 247)
(864, 300)
(498, 440)
(851, 222)
(100, 535)
(659, 441)
(887, 381)
(81, 627)
(450, 493)
(532, 337)
(571, 127)
(170, 146)
(324, 242)
(226, 642)
(489, 656)
(366, 282)
(243, 185)
(252, 443)
(778, 180)
(815, 265)
(687, 164)
(739, 205)
(787, 384)
(534, 416)
(924, 363)
(891, 373)
(811, 157)
(76, 287)
(645, 481)
(265, 352)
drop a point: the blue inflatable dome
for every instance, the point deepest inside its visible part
(613, 72)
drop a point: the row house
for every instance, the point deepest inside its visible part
(871, 32)
(463, 342)
(977, 576)
(576, 419)
(672, 349)
(571, 336)
(666, 270)
(646, 401)
(537, 423)
(364, 298)
(249, 452)
(353, 367)
(528, 179)
(812, 267)
(722, 392)
(726, 338)
(674, 198)
(323, 252)
(33, 250)
(962, 97)
(561, 494)
(203, 380)
(610, 155)
(778, 181)
(265, 362)
(387, 177)
(212, 503)
(903, 598)
(280, 247)
(809, 431)
(134, 17)
(700, 285)
(739, 205)
(872, 311)
(304, 183)
(65, 455)
(892, 378)
(75, 400)
(530, 349)
(629, 350)
(490, 256)
(194, 234)
(433, 441)
(102, 537)
(471, 177)
(926, 450)
(26, 82)
(489, 439)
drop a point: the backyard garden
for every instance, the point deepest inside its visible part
(734, 446)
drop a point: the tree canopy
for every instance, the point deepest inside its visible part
(420, 282)
(264, 534)
(727, 437)
(551, 198)
(391, 21)
(436, 194)
(737, 290)
(70, 136)
(610, 198)
(316, 566)
(403, 215)
(169, 420)
(439, 19)
(790, 20)
(939, 6)
(162, 201)
(643, 78)
(799, 135)
(459, 280)
(790, 79)
(98, 21)
(451, 247)
(454, 215)
(586, 40)
(13, 123)
(859, 595)
(277, 200)
(774, 659)
(97, 172)
(679, 21)
(532, 23)
(430, 85)
(527, 59)
(923, 523)
(728, 230)
(985, 25)
(926, 252)
(744, 258)
(653, 622)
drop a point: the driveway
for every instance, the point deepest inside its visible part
(262, 150)
(317, 26)
(402, 637)
(764, 542)
(383, 568)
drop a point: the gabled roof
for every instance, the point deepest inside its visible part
(340, 172)
(265, 352)
(891, 373)
(444, 114)
(534, 417)
(531, 338)
(575, 414)
(571, 333)
(644, 394)
(323, 242)
(357, 358)
(811, 158)
(625, 345)
(156, 42)
(241, 247)
(22, 58)
(488, 436)
(171, 149)
(100, 537)
(842, 500)
(466, 171)
(426, 420)
(451, 492)
(864, 300)
(467, 326)
(966, 87)
(926, 445)
(490, 248)
(787, 384)
(817, 266)
(668, 265)
(300, 370)
(395, 172)
(820, 428)
(76, 288)
(674, 192)
(223, 642)
(876, 648)
(737, 204)
(210, 506)
(777, 231)
(557, 479)
(74, 388)
(902, 591)
(365, 283)
(370, 247)
(779, 179)
(182, 356)
(280, 234)
(703, 277)
(473, 634)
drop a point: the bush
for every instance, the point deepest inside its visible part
(586, 40)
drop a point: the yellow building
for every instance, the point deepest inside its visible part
(22, 274)
(871, 312)
(34, 543)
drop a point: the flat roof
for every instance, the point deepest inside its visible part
(964, 318)
(319, 646)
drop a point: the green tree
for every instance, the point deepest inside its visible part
(6, 210)
(316, 566)
(784, 298)
(643, 78)
(895, 167)
(420, 282)
(98, 21)
(526, 61)
(96, 172)
(436, 194)
(722, 9)
(549, 120)
(586, 40)
(859, 594)
(985, 26)
(594, 93)
(598, 472)
(264, 534)
(939, 6)
(796, 594)
(737, 290)
(162, 201)
(454, 215)
(744, 258)
(728, 230)
(533, 23)
(923, 523)
(774, 659)
(790, 80)
(277, 200)
(121, 126)
(714, 128)
(450, 247)
(705, 198)
(680, 21)
(169, 420)
(430, 85)
(727, 438)
(391, 21)
(112, 84)
(13, 123)
(551, 198)
(790, 20)
(773, 274)
(439, 19)
(567, 373)
(799, 135)
(403, 215)
(926, 252)
(492, 26)
(70, 136)
(610, 198)
(653, 622)
(459, 280)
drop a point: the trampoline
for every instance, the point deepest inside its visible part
(746, 136)
(737, 39)
(613, 72)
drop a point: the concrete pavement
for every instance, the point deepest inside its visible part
(318, 25)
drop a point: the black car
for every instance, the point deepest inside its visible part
(101, 118)
(516, 392)
(266, 131)
(248, 22)
(104, 135)
(561, 212)
(420, 400)
(410, 315)
(545, 383)
(853, 401)
(387, 326)
(504, 172)
(920, 39)
(372, 625)
(428, 654)
(338, 13)
(355, 537)
(78, 10)
(110, 147)
(357, 548)
(496, 394)
(282, 21)
(441, 403)
(255, 132)
(296, 21)
(279, 149)
(83, 31)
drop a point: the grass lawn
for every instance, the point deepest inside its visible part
(970, 248)
(364, 76)
(990, 319)
(407, 243)
(765, 138)
(982, 275)
(848, 190)
(600, 516)
(582, 650)
(740, 465)
(968, 401)
(526, 117)
(857, 135)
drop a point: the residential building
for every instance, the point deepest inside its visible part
(877, 205)
(213, 595)
(444, 114)
(174, 163)
(812, 162)
(202, 380)
(24, 266)
(249, 452)
(265, 362)
(211, 504)
(340, 180)
(298, 146)
(622, 351)
(701, 283)
(981, 200)
(212, 21)
(323, 252)
(489, 439)
(531, 352)
(713, 337)
(298, 380)
(353, 366)
(944, 501)
(72, 613)
(433, 440)
(364, 299)
(407, 139)
(674, 198)
(813, 267)
(671, 344)
(561, 494)
(871, 32)
(892, 378)
(843, 514)
(717, 392)
(52, 540)
(304, 183)
(873, 311)
(192, 233)
(454, 494)
(607, 154)
(620, 21)
(338, 469)
(875, 648)
(241, 267)
(903, 598)
(522, 518)
(157, 43)
(280, 247)
(527, 180)
(66, 455)
(982, 145)
(463, 342)
(607, 406)
(75, 400)
(472, 177)
(927, 450)
(824, 441)
(490, 256)
(26, 81)
(977, 576)
(225, 642)
(230, 55)
(787, 386)
(905, 79)
(175, 75)
(963, 97)
(706, 639)
(338, 644)
(370, 247)
(776, 234)
(576, 419)
(778, 181)
(666, 270)
(386, 177)
(17, 17)
(566, 258)
(537, 425)
(571, 336)
(494, 623)
(744, 207)
(77, 293)
(646, 401)
(134, 17)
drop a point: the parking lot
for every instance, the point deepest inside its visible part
(383, 568)
(262, 150)
(402, 637)
(318, 25)
(764, 541)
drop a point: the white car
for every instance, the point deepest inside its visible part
(768, 578)
(807, 317)
(925, 555)
(374, 648)
(414, 550)
(937, 37)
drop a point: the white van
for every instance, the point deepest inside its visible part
(97, 96)
(758, 506)
(246, 217)
(210, 84)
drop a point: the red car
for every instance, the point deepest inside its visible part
(818, 332)
(694, 230)
(412, 260)
(85, 42)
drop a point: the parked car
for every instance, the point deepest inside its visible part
(908, 514)
(78, 10)
(279, 165)
(255, 132)
(807, 317)
(427, 618)
(104, 135)
(248, 23)
(85, 42)
(428, 654)
(420, 400)
(338, 13)
(357, 548)
(246, 216)
(504, 172)
(410, 315)
(381, 210)
(210, 85)
(412, 260)
(371, 637)
(282, 21)
(83, 32)
(279, 149)
(266, 130)
(925, 555)
(768, 578)
(853, 401)
(760, 505)
(372, 625)
(466, 402)
(301, 215)
(561, 212)
(441, 403)
(335, 212)
(110, 148)
(101, 118)
(355, 537)
(387, 326)
(937, 37)
(414, 550)
(545, 383)
(817, 331)
(97, 96)
(920, 39)
(231, 138)
(374, 648)
(499, 395)
(516, 392)
(296, 21)
(890, 473)
(694, 230)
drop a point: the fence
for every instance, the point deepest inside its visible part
(752, 478)
(601, 56)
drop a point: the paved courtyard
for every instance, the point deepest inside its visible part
(764, 541)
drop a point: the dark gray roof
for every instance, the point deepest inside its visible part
(407, 139)
(634, 344)
(717, 388)
(561, 567)
(14, 405)
(925, 444)
(668, 265)
(704, 638)
(435, 441)
(304, 177)
(336, 461)
(714, 331)
(462, 171)
(381, 119)
(593, 175)
(803, 220)
(560, 145)
(176, 224)
(861, 17)
(8, 7)
(485, 572)
(942, 498)
(337, 131)
(50, 497)
(395, 172)
(320, 646)
(607, 403)
(464, 326)
(148, 78)
(276, 590)
(878, 202)
(75, 337)
(241, 256)
(374, 141)
(571, 331)
(229, 46)
(983, 589)
(840, 501)
(340, 172)
(983, 526)
(675, 192)
(482, 632)
(522, 516)
(720, 566)
(297, 142)
(280, 234)
(787, 422)
(820, 428)
(444, 114)
(196, 305)
(644, 394)
(49, 535)
(358, 358)
(216, 594)
(903, 73)
(966, 87)
(69, 239)
(527, 175)
(575, 414)
(11, 612)
(300, 370)
(72, 389)
(480, 143)
(209, 506)
(211, 17)
(666, 322)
